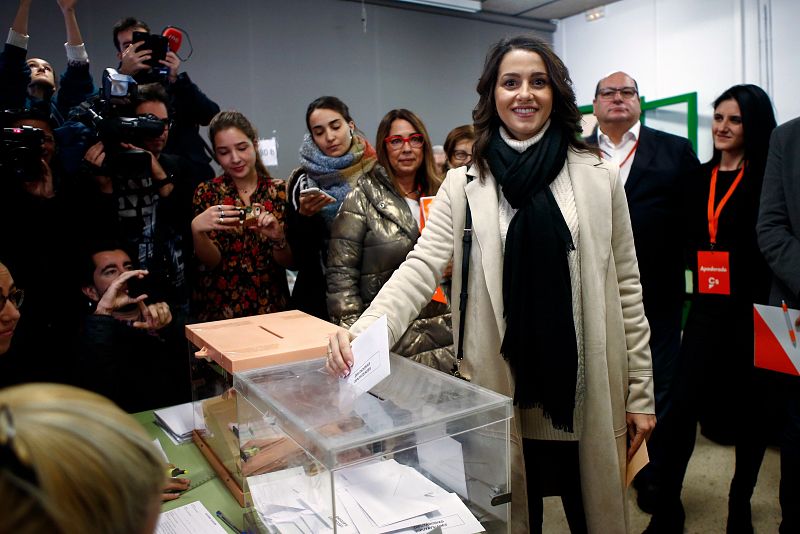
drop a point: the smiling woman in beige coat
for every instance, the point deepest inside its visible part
(554, 316)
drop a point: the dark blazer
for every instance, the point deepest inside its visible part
(661, 166)
(778, 226)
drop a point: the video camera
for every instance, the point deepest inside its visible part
(107, 115)
(21, 151)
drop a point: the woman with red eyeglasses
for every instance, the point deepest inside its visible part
(377, 226)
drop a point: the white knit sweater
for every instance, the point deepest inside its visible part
(534, 424)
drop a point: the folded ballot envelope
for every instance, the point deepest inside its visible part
(261, 340)
(777, 346)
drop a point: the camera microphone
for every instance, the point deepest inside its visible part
(174, 36)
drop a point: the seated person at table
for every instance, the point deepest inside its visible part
(71, 462)
(123, 349)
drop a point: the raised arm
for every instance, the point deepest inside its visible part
(70, 21)
(20, 24)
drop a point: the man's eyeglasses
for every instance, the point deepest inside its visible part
(460, 155)
(166, 122)
(608, 93)
(15, 297)
(396, 142)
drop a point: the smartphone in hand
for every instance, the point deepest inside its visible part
(317, 191)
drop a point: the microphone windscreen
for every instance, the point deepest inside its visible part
(175, 37)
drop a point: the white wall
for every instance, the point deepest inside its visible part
(680, 46)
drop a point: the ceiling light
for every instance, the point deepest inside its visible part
(595, 14)
(470, 6)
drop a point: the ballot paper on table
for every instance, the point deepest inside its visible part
(177, 421)
(192, 518)
(370, 356)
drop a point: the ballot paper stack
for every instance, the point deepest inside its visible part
(177, 422)
(374, 498)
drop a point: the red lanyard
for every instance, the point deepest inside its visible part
(713, 214)
(624, 161)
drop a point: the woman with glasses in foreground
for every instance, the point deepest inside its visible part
(377, 226)
(10, 302)
(554, 316)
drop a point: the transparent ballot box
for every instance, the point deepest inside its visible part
(420, 450)
(228, 346)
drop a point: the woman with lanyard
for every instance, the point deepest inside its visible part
(333, 157)
(554, 314)
(377, 226)
(717, 384)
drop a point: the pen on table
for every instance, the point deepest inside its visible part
(228, 522)
(788, 323)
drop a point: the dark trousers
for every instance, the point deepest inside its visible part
(552, 469)
(790, 465)
(665, 343)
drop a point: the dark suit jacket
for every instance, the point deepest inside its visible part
(778, 225)
(661, 165)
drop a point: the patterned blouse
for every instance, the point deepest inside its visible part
(247, 281)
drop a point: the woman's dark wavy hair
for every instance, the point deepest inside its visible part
(565, 115)
(427, 176)
(758, 121)
(328, 102)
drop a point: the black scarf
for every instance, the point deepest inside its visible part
(539, 342)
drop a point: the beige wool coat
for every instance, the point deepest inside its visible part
(616, 334)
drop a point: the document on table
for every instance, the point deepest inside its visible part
(193, 518)
(370, 356)
(177, 421)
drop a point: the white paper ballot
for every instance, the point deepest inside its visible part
(370, 356)
(444, 459)
(268, 150)
(193, 518)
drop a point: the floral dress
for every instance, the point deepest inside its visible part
(248, 280)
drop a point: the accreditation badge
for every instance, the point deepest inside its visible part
(713, 272)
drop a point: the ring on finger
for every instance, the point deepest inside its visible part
(221, 218)
(219, 208)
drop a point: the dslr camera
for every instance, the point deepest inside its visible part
(21, 151)
(158, 46)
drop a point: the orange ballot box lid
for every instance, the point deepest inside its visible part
(261, 340)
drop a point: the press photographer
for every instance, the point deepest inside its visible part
(37, 238)
(124, 351)
(143, 196)
(140, 57)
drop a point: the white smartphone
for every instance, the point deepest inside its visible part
(316, 191)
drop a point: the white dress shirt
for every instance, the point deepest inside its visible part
(618, 153)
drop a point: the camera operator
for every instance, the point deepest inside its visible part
(154, 212)
(37, 238)
(31, 83)
(191, 107)
(123, 353)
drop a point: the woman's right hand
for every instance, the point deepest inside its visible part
(312, 204)
(340, 356)
(216, 218)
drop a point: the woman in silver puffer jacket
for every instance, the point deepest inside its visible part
(377, 226)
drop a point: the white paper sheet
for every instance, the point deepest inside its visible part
(444, 459)
(370, 356)
(268, 150)
(192, 518)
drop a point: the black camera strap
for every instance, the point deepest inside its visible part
(466, 250)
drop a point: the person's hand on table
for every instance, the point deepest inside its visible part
(174, 488)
